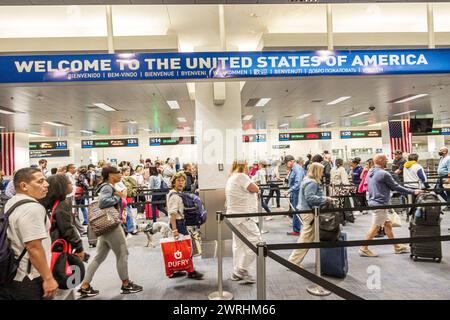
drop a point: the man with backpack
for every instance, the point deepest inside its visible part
(26, 227)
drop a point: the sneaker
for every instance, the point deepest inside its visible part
(131, 288)
(401, 249)
(195, 275)
(366, 253)
(89, 292)
(293, 233)
(178, 274)
(243, 278)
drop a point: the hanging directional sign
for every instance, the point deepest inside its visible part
(325, 135)
(48, 145)
(109, 143)
(171, 141)
(254, 138)
(49, 153)
(361, 134)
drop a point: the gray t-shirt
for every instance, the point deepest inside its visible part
(27, 223)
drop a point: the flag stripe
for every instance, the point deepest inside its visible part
(7, 157)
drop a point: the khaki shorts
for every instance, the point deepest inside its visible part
(379, 217)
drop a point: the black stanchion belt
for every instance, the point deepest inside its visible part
(240, 236)
(354, 243)
(314, 278)
(265, 214)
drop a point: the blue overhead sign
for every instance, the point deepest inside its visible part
(220, 65)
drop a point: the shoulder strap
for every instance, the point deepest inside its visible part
(17, 204)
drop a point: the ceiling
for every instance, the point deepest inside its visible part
(145, 103)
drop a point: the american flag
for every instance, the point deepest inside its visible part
(7, 153)
(401, 138)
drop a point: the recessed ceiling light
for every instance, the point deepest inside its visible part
(358, 114)
(87, 131)
(375, 124)
(247, 117)
(408, 98)
(173, 104)
(56, 124)
(132, 122)
(306, 115)
(338, 100)
(7, 111)
(104, 106)
(148, 130)
(406, 112)
(327, 124)
(262, 102)
(181, 119)
(284, 125)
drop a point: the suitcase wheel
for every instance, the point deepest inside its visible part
(415, 258)
(438, 260)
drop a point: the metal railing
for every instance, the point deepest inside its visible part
(320, 286)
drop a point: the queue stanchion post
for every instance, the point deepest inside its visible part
(220, 294)
(261, 249)
(314, 289)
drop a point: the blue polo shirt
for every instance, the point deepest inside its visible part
(444, 167)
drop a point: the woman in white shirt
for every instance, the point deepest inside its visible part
(338, 174)
(241, 197)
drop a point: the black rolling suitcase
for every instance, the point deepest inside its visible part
(92, 238)
(428, 250)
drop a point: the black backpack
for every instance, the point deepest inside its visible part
(8, 262)
(428, 216)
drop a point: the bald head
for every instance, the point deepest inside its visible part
(443, 151)
(380, 160)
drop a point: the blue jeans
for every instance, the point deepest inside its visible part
(82, 202)
(444, 194)
(296, 225)
(160, 208)
(129, 221)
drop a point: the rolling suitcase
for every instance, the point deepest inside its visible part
(92, 238)
(427, 216)
(429, 250)
(333, 261)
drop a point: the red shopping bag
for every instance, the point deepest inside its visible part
(177, 254)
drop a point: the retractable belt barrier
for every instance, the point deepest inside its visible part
(263, 250)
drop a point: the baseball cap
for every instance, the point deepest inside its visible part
(288, 158)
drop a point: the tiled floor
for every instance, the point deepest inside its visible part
(399, 276)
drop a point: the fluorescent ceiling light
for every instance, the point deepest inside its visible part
(2, 127)
(87, 131)
(364, 122)
(7, 111)
(247, 117)
(148, 130)
(262, 102)
(338, 100)
(173, 104)
(417, 96)
(406, 112)
(375, 124)
(306, 115)
(327, 124)
(358, 114)
(104, 106)
(284, 125)
(181, 119)
(54, 124)
(132, 122)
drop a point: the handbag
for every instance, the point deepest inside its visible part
(395, 220)
(67, 268)
(177, 254)
(104, 220)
